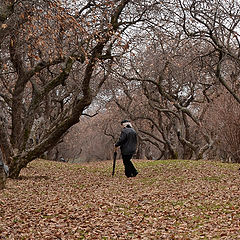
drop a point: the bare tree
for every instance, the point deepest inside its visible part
(167, 94)
(223, 118)
(48, 82)
(215, 23)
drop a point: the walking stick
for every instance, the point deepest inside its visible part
(114, 162)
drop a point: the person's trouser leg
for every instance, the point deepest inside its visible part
(130, 170)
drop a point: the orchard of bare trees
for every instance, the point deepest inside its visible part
(70, 71)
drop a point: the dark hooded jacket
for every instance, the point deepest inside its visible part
(127, 141)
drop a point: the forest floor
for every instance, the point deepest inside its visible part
(169, 199)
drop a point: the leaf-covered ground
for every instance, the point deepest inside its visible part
(167, 200)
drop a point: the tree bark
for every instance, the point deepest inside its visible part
(2, 175)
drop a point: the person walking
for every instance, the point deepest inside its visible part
(128, 145)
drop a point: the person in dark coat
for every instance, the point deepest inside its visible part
(128, 145)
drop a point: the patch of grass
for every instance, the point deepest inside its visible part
(178, 203)
(79, 186)
(212, 178)
(104, 238)
(83, 234)
(48, 216)
(178, 178)
(149, 181)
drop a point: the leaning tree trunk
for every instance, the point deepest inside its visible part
(14, 170)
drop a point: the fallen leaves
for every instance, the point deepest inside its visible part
(167, 200)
